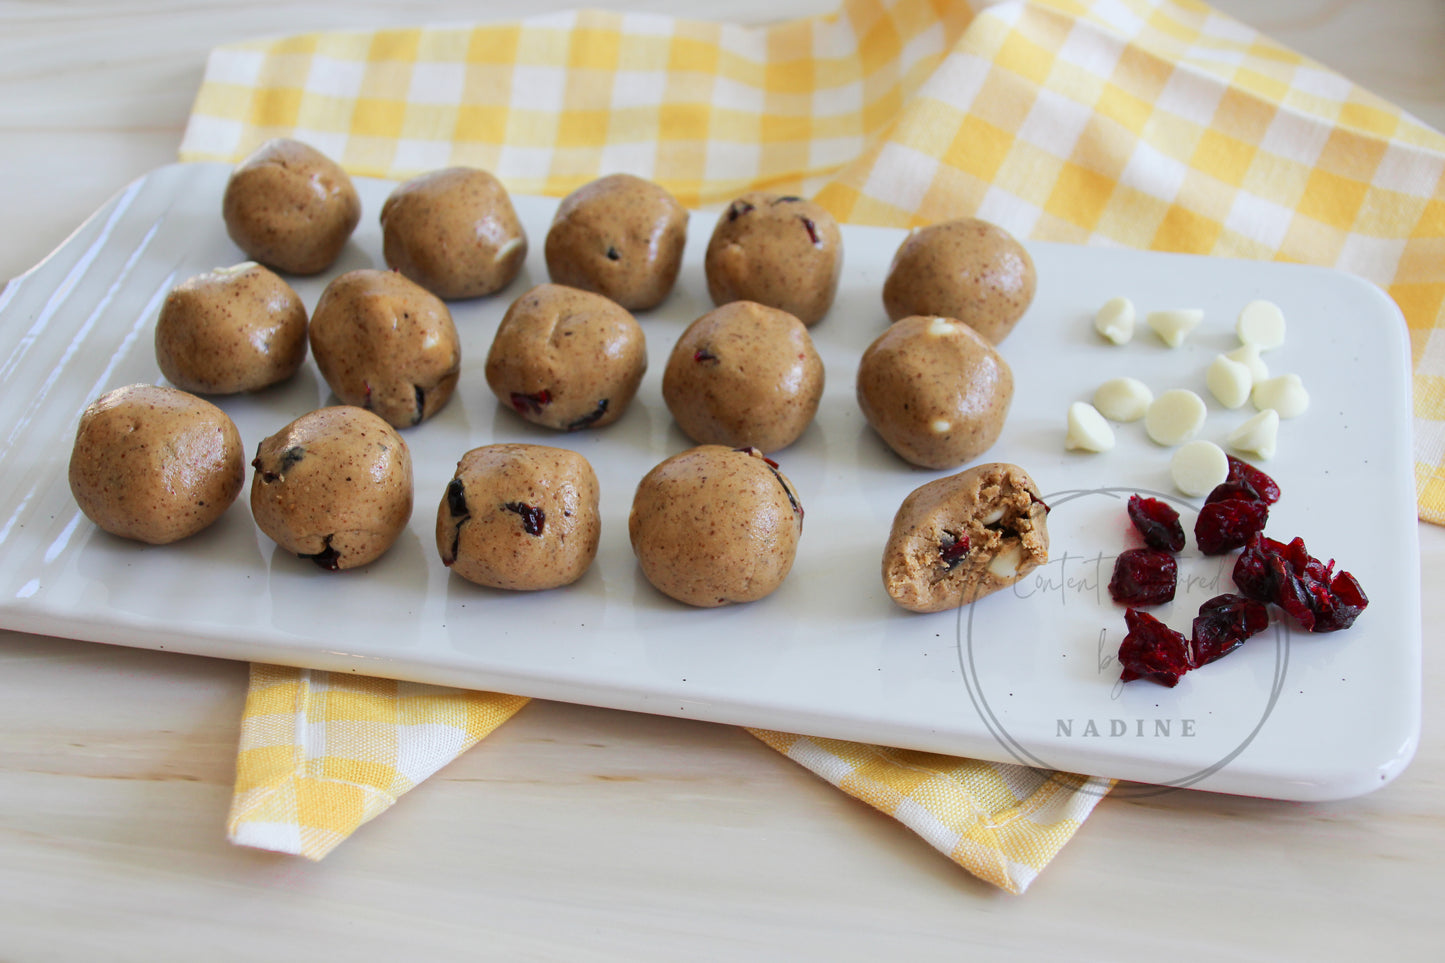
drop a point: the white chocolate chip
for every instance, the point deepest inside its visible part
(1115, 320)
(241, 268)
(1229, 381)
(940, 427)
(508, 248)
(993, 517)
(1088, 431)
(940, 327)
(1123, 399)
(1258, 435)
(1199, 466)
(1173, 326)
(1006, 563)
(1175, 417)
(1261, 324)
(1286, 394)
(1248, 355)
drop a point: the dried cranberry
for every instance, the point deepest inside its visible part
(1242, 472)
(533, 519)
(1319, 599)
(1223, 623)
(1144, 576)
(704, 356)
(812, 230)
(952, 548)
(1229, 524)
(1227, 490)
(531, 403)
(1152, 650)
(1157, 522)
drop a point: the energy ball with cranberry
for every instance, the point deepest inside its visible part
(935, 391)
(960, 538)
(620, 236)
(454, 232)
(521, 517)
(744, 374)
(966, 269)
(715, 525)
(782, 251)
(233, 329)
(386, 344)
(290, 207)
(567, 359)
(155, 464)
(334, 486)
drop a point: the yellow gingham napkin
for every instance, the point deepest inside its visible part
(1143, 123)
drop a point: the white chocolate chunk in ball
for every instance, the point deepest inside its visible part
(1088, 431)
(1257, 436)
(1286, 394)
(1198, 466)
(1115, 320)
(1175, 417)
(1174, 325)
(1123, 399)
(1248, 355)
(940, 327)
(1261, 324)
(1229, 381)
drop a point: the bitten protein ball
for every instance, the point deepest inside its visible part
(715, 525)
(620, 236)
(782, 251)
(935, 391)
(966, 269)
(155, 464)
(744, 374)
(520, 517)
(290, 207)
(334, 486)
(386, 344)
(567, 359)
(960, 538)
(233, 329)
(454, 232)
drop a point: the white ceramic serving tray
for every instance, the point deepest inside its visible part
(1025, 675)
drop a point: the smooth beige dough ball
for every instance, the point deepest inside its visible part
(155, 464)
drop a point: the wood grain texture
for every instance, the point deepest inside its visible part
(583, 833)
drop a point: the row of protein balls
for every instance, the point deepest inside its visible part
(710, 526)
(934, 388)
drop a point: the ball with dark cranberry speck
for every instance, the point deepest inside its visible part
(334, 486)
(620, 236)
(744, 374)
(386, 344)
(779, 250)
(715, 525)
(567, 359)
(520, 517)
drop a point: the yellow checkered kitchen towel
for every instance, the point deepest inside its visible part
(1144, 123)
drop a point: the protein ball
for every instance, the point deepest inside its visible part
(334, 486)
(621, 237)
(155, 464)
(782, 251)
(744, 374)
(290, 207)
(960, 538)
(454, 232)
(233, 329)
(386, 344)
(935, 391)
(966, 269)
(520, 517)
(715, 525)
(567, 359)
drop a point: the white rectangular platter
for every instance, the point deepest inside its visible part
(1021, 676)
